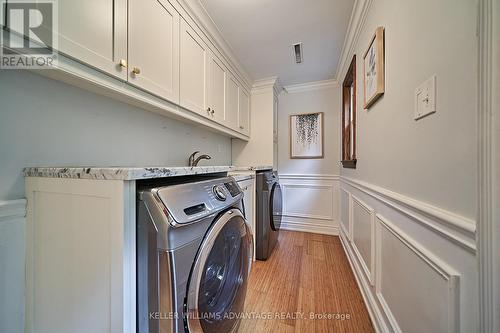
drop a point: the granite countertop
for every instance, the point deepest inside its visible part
(130, 173)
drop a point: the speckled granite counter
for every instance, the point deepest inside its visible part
(130, 173)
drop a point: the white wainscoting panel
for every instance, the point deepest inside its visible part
(12, 263)
(363, 240)
(415, 264)
(423, 297)
(345, 213)
(310, 203)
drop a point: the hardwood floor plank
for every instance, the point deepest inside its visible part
(305, 286)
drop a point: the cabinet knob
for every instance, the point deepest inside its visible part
(208, 110)
(136, 70)
(242, 127)
(213, 111)
(123, 63)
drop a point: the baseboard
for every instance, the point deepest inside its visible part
(371, 304)
(307, 226)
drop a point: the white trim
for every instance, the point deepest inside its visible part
(349, 213)
(371, 304)
(356, 23)
(456, 228)
(440, 267)
(82, 76)
(311, 86)
(129, 257)
(12, 209)
(369, 270)
(485, 237)
(308, 226)
(266, 85)
(200, 15)
(308, 177)
(309, 216)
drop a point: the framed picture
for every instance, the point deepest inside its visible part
(373, 69)
(306, 135)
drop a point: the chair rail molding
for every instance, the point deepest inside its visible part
(488, 320)
(12, 209)
(321, 191)
(456, 228)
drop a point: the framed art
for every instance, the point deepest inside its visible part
(373, 69)
(306, 135)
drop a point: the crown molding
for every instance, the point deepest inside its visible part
(265, 85)
(311, 86)
(202, 18)
(356, 24)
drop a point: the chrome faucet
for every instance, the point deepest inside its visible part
(194, 162)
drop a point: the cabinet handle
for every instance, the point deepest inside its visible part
(123, 63)
(136, 70)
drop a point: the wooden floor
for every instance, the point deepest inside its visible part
(307, 273)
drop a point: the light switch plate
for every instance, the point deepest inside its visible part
(425, 98)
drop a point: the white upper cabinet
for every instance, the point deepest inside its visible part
(244, 113)
(95, 33)
(217, 89)
(153, 49)
(232, 102)
(194, 56)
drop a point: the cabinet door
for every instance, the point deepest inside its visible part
(95, 33)
(154, 47)
(244, 112)
(232, 102)
(193, 70)
(217, 88)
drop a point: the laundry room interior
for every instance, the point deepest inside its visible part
(231, 166)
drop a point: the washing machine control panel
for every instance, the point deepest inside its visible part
(219, 193)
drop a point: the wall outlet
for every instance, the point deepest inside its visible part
(425, 98)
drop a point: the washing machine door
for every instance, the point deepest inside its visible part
(276, 206)
(218, 281)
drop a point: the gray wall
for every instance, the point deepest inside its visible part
(48, 123)
(434, 159)
(323, 100)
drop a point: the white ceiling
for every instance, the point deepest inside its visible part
(261, 32)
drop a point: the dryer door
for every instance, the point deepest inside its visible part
(218, 281)
(276, 207)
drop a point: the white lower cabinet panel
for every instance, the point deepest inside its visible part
(78, 257)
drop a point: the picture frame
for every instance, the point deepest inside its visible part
(307, 136)
(374, 68)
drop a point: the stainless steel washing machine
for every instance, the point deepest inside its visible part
(268, 213)
(194, 251)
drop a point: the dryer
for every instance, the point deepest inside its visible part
(194, 253)
(268, 213)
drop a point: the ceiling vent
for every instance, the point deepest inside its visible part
(297, 49)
